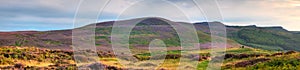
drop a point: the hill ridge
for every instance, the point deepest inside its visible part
(271, 38)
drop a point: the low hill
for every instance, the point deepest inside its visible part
(270, 38)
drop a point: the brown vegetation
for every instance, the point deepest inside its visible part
(35, 58)
(240, 56)
(250, 62)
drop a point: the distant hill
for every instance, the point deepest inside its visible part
(60, 39)
(270, 38)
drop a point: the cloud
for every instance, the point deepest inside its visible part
(262, 13)
(51, 8)
(171, 9)
(242, 12)
(36, 14)
(59, 14)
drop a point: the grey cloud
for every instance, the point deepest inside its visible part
(260, 12)
(14, 8)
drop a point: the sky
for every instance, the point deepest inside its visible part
(43, 15)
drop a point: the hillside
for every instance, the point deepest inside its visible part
(270, 38)
(60, 39)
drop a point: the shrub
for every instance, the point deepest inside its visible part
(19, 65)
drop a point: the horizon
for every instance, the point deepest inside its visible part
(36, 15)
